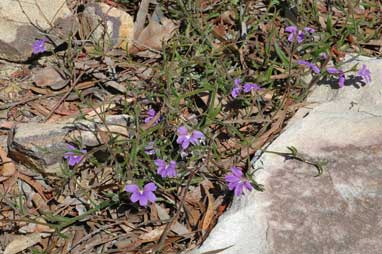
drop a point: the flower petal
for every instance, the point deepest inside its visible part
(143, 200)
(248, 185)
(131, 188)
(149, 187)
(185, 144)
(150, 196)
(236, 171)
(332, 70)
(291, 29)
(237, 82)
(135, 197)
(239, 189)
(182, 131)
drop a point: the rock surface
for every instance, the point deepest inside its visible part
(103, 22)
(339, 212)
(41, 145)
(17, 34)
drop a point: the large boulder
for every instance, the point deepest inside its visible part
(339, 212)
(22, 22)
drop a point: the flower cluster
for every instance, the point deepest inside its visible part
(246, 88)
(299, 35)
(164, 169)
(364, 73)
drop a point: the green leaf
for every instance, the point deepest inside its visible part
(281, 54)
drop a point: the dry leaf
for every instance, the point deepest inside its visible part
(152, 235)
(7, 168)
(49, 77)
(209, 214)
(22, 242)
(159, 30)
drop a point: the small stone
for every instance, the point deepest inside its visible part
(49, 77)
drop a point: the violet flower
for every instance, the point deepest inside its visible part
(364, 72)
(39, 46)
(323, 56)
(340, 73)
(74, 156)
(248, 87)
(185, 138)
(143, 196)
(312, 66)
(165, 170)
(151, 114)
(309, 30)
(236, 88)
(149, 149)
(237, 182)
(295, 34)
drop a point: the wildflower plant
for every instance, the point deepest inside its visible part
(219, 98)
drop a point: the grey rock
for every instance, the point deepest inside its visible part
(41, 146)
(17, 34)
(106, 24)
(339, 212)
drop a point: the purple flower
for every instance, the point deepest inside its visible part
(333, 70)
(74, 156)
(340, 73)
(364, 72)
(185, 138)
(165, 170)
(151, 114)
(237, 182)
(295, 34)
(142, 196)
(149, 149)
(236, 88)
(309, 30)
(312, 66)
(323, 56)
(248, 87)
(292, 30)
(39, 46)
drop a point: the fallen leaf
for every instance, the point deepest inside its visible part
(209, 214)
(159, 30)
(49, 77)
(7, 167)
(152, 235)
(22, 242)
